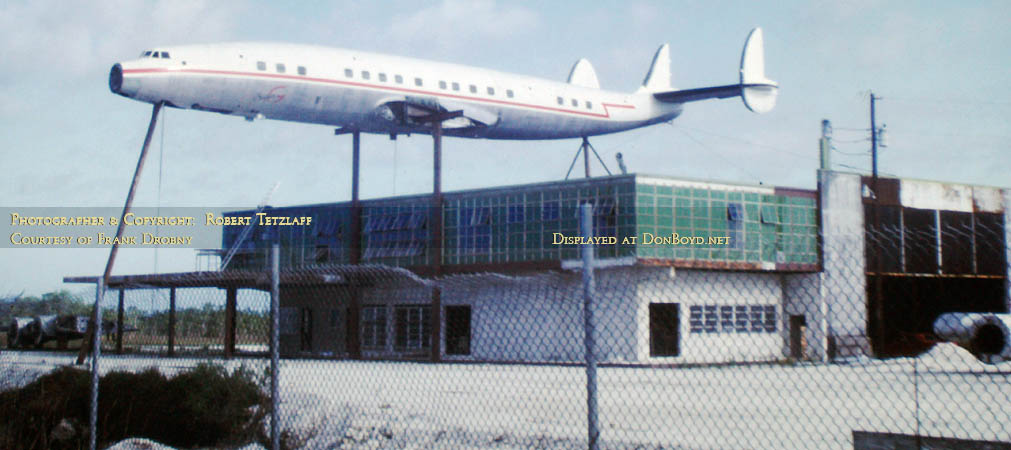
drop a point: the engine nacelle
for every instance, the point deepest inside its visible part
(986, 335)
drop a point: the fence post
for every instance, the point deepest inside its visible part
(275, 338)
(586, 231)
(96, 352)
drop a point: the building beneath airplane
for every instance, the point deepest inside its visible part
(718, 272)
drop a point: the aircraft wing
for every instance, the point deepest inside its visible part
(414, 111)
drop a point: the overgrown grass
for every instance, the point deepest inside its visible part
(204, 406)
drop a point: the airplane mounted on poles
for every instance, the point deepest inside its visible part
(393, 95)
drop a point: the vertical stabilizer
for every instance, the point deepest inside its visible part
(757, 91)
(658, 77)
(582, 74)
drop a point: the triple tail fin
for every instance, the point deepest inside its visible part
(758, 92)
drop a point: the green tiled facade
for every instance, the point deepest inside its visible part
(520, 224)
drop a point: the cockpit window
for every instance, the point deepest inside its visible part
(164, 55)
(146, 53)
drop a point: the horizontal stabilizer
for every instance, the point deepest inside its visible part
(757, 91)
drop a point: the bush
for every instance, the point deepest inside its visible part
(204, 406)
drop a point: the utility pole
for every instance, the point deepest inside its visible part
(877, 237)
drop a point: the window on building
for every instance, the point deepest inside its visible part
(735, 213)
(550, 210)
(366, 75)
(458, 330)
(695, 320)
(473, 230)
(732, 319)
(757, 319)
(663, 329)
(279, 67)
(509, 93)
(395, 233)
(418, 82)
(261, 65)
(456, 86)
(515, 214)
(322, 253)
(770, 214)
(412, 328)
(398, 79)
(726, 319)
(288, 320)
(741, 318)
(373, 323)
(491, 90)
(604, 218)
(711, 321)
(382, 77)
(735, 225)
(349, 73)
(770, 318)
(301, 70)
(305, 331)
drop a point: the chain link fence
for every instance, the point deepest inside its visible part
(857, 354)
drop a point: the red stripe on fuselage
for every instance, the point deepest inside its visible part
(605, 115)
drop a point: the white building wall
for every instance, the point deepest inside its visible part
(1006, 193)
(843, 277)
(529, 319)
(539, 318)
(803, 296)
(706, 287)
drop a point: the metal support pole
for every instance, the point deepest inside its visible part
(353, 332)
(231, 305)
(437, 250)
(356, 230)
(119, 322)
(96, 317)
(585, 147)
(172, 322)
(586, 231)
(90, 333)
(275, 339)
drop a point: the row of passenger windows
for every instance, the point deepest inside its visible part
(398, 79)
(279, 67)
(575, 103)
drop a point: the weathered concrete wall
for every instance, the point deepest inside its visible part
(803, 296)
(843, 277)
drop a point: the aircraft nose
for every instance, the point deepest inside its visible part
(119, 84)
(116, 78)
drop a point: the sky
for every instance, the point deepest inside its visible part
(940, 68)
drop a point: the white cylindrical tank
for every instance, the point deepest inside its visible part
(987, 336)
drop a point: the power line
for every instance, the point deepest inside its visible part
(728, 160)
(790, 152)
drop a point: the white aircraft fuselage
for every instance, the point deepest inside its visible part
(375, 93)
